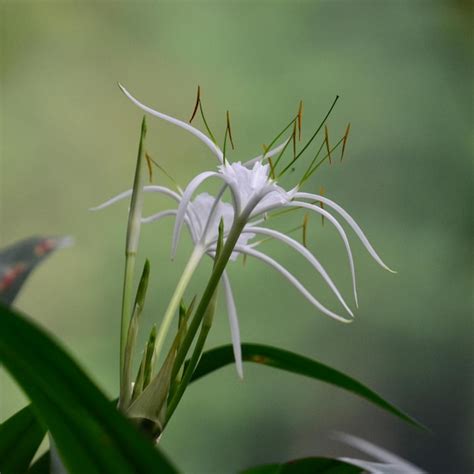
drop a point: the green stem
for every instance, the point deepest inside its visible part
(206, 298)
(188, 373)
(175, 301)
(127, 296)
(131, 246)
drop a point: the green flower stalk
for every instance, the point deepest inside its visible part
(131, 247)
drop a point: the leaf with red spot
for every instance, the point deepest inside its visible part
(19, 259)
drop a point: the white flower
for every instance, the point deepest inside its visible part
(254, 195)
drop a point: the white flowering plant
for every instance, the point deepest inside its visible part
(88, 432)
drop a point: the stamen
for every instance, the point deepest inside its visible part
(150, 169)
(198, 100)
(293, 138)
(230, 130)
(312, 137)
(211, 135)
(178, 187)
(344, 139)
(282, 152)
(279, 135)
(300, 119)
(308, 170)
(199, 106)
(309, 173)
(228, 133)
(326, 139)
(305, 230)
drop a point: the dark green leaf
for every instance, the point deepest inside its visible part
(307, 466)
(41, 465)
(285, 360)
(91, 436)
(20, 437)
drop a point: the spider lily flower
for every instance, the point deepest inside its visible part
(254, 194)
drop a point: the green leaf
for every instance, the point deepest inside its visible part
(91, 436)
(18, 260)
(41, 465)
(20, 437)
(126, 385)
(307, 466)
(291, 362)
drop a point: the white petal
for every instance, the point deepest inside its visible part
(270, 154)
(212, 210)
(375, 467)
(234, 324)
(350, 221)
(342, 233)
(158, 216)
(292, 279)
(128, 193)
(378, 453)
(197, 133)
(183, 205)
(306, 253)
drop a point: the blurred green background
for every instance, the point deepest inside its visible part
(404, 73)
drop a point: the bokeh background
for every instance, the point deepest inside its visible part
(404, 73)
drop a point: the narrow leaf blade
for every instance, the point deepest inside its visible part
(20, 437)
(90, 434)
(291, 362)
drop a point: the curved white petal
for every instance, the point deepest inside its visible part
(306, 253)
(292, 279)
(234, 324)
(355, 227)
(197, 133)
(269, 154)
(183, 205)
(158, 216)
(215, 205)
(126, 194)
(341, 232)
(372, 467)
(378, 453)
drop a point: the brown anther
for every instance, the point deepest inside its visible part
(326, 140)
(150, 169)
(198, 101)
(344, 139)
(229, 129)
(300, 119)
